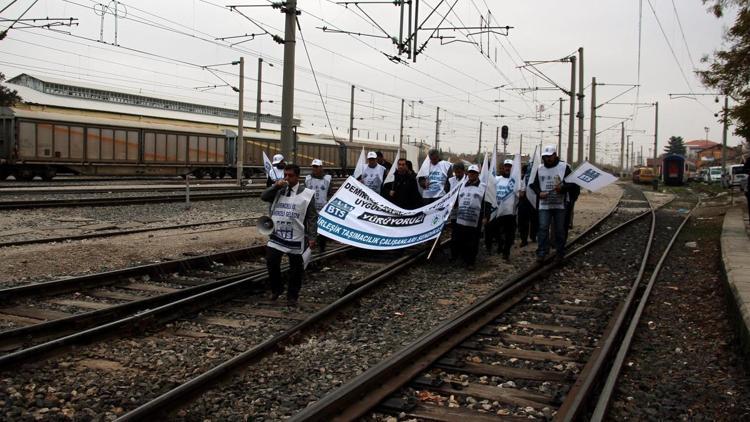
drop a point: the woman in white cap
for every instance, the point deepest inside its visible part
(373, 174)
(471, 215)
(319, 182)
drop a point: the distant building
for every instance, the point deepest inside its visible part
(693, 147)
(711, 156)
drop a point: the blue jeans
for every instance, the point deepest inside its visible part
(561, 232)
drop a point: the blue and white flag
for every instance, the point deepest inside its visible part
(531, 170)
(357, 216)
(488, 179)
(361, 163)
(590, 177)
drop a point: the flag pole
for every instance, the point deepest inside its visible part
(433, 246)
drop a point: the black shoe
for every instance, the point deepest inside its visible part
(273, 297)
(292, 303)
(524, 243)
(506, 257)
(559, 258)
(539, 259)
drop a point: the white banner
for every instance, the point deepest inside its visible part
(531, 171)
(357, 216)
(590, 177)
(361, 163)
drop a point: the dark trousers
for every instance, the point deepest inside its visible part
(467, 240)
(546, 218)
(296, 268)
(528, 221)
(321, 241)
(503, 229)
(455, 246)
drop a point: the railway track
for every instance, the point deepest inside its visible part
(98, 235)
(537, 347)
(124, 200)
(225, 315)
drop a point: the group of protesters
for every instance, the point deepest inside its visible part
(524, 204)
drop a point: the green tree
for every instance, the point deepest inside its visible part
(729, 69)
(8, 97)
(675, 146)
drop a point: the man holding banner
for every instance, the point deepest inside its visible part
(401, 187)
(274, 170)
(294, 230)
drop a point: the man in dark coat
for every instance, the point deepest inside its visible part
(403, 191)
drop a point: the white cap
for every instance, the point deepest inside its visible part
(474, 168)
(371, 155)
(508, 162)
(549, 150)
(277, 159)
(317, 162)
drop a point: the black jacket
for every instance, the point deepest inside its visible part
(572, 189)
(311, 216)
(406, 191)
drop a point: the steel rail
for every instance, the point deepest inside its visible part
(116, 189)
(157, 269)
(128, 200)
(355, 398)
(576, 399)
(179, 395)
(163, 313)
(605, 396)
(116, 233)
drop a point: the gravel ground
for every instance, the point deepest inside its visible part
(10, 197)
(118, 374)
(381, 324)
(685, 343)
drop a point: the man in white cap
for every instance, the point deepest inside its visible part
(277, 169)
(553, 193)
(374, 174)
(433, 177)
(472, 213)
(319, 182)
(503, 227)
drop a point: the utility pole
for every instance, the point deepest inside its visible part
(479, 151)
(437, 129)
(257, 106)
(287, 94)
(351, 117)
(572, 116)
(724, 136)
(241, 123)
(656, 137)
(580, 105)
(401, 130)
(559, 129)
(627, 153)
(520, 146)
(622, 149)
(592, 130)
(497, 138)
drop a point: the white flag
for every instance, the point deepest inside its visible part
(392, 172)
(493, 160)
(360, 168)
(424, 171)
(271, 171)
(590, 177)
(531, 171)
(489, 180)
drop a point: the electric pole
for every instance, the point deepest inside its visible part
(592, 130)
(724, 136)
(287, 94)
(656, 136)
(257, 106)
(622, 149)
(497, 138)
(479, 151)
(559, 129)
(401, 130)
(520, 146)
(572, 115)
(437, 129)
(580, 105)
(351, 117)
(627, 153)
(241, 123)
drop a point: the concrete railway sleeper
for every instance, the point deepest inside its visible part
(517, 352)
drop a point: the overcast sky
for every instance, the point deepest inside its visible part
(163, 44)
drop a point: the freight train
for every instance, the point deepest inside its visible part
(64, 128)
